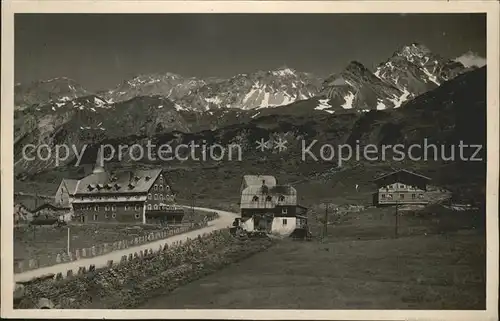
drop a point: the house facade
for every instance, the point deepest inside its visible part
(401, 187)
(269, 207)
(127, 196)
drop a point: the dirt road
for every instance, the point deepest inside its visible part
(225, 219)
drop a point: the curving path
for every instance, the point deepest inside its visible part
(223, 221)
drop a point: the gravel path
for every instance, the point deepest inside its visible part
(225, 219)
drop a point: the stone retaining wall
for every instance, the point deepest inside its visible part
(144, 274)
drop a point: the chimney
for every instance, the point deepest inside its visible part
(99, 162)
(264, 188)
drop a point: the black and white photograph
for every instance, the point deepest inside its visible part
(251, 161)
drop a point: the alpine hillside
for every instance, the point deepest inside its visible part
(61, 111)
(57, 90)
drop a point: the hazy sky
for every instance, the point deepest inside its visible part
(101, 50)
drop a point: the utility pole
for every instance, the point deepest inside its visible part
(68, 242)
(325, 229)
(397, 220)
(192, 207)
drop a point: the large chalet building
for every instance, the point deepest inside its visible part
(270, 207)
(127, 196)
(401, 187)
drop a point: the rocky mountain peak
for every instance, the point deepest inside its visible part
(417, 69)
(39, 92)
(412, 51)
(284, 71)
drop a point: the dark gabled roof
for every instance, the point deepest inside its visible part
(126, 181)
(51, 206)
(282, 189)
(402, 170)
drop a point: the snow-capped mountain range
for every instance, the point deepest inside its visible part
(62, 111)
(409, 72)
(167, 84)
(256, 90)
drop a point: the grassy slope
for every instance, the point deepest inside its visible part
(360, 266)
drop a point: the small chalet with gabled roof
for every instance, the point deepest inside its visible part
(269, 207)
(401, 187)
(65, 193)
(126, 196)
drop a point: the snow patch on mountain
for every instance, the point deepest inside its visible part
(398, 101)
(255, 115)
(283, 72)
(323, 104)
(380, 104)
(349, 99)
(431, 76)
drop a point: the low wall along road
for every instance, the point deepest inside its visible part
(223, 221)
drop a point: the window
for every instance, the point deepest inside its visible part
(269, 198)
(96, 217)
(156, 207)
(113, 208)
(149, 206)
(126, 207)
(106, 215)
(161, 178)
(149, 196)
(284, 221)
(156, 196)
(137, 207)
(413, 196)
(106, 208)
(401, 185)
(282, 198)
(96, 208)
(284, 211)
(113, 215)
(161, 187)
(167, 187)
(161, 196)
(255, 198)
(401, 196)
(156, 187)
(137, 215)
(383, 196)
